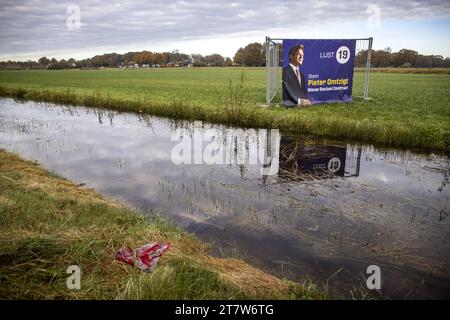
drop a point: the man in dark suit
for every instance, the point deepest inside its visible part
(294, 84)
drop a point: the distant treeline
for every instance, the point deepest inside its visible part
(253, 55)
(405, 58)
(143, 59)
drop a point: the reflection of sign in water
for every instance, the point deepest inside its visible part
(323, 158)
(305, 159)
(334, 165)
(270, 152)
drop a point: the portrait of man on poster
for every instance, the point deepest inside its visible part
(293, 80)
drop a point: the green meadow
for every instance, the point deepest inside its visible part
(405, 109)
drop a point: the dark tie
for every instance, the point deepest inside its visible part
(298, 77)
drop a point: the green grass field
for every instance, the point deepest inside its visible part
(410, 110)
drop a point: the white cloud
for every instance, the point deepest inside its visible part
(37, 27)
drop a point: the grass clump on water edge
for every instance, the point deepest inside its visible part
(47, 224)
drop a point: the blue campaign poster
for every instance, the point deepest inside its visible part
(324, 71)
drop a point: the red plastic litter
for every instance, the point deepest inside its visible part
(144, 258)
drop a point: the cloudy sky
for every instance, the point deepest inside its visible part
(80, 29)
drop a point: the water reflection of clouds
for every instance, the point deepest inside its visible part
(387, 199)
(402, 177)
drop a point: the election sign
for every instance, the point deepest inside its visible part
(317, 71)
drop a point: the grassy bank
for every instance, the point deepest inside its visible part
(47, 224)
(409, 110)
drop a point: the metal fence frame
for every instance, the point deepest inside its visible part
(272, 46)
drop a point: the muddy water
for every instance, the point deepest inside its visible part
(295, 206)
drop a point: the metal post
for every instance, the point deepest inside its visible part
(267, 71)
(369, 56)
(276, 61)
(272, 61)
(358, 161)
